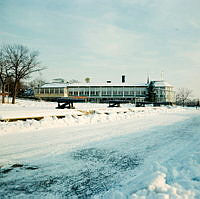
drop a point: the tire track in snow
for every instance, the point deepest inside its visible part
(102, 165)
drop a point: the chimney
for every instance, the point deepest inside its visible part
(123, 78)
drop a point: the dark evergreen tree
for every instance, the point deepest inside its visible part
(151, 97)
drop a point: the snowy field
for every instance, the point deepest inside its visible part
(99, 152)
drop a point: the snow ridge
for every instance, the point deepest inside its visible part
(84, 117)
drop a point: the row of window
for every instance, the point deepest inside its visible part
(95, 92)
(88, 93)
(102, 93)
(49, 91)
(165, 88)
(105, 89)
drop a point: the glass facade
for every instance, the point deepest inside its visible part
(103, 91)
(50, 90)
(106, 92)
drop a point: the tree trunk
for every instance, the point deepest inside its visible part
(3, 92)
(14, 92)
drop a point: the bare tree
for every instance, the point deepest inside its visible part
(4, 74)
(22, 62)
(37, 82)
(183, 95)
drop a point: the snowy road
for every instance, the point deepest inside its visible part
(157, 156)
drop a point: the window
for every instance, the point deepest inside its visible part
(120, 92)
(81, 93)
(46, 90)
(137, 92)
(61, 90)
(126, 92)
(57, 90)
(52, 90)
(103, 92)
(42, 91)
(115, 92)
(108, 92)
(92, 93)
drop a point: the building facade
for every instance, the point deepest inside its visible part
(108, 91)
(51, 90)
(161, 91)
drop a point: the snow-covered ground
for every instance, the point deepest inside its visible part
(83, 114)
(99, 152)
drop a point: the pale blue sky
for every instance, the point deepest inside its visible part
(103, 39)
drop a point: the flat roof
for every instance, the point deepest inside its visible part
(162, 84)
(105, 84)
(54, 85)
(63, 85)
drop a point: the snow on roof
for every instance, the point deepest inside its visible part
(162, 84)
(63, 85)
(54, 85)
(104, 84)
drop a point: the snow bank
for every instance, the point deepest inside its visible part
(175, 179)
(154, 186)
(159, 189)
(84, 114)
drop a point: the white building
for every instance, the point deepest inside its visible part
(102, 92)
